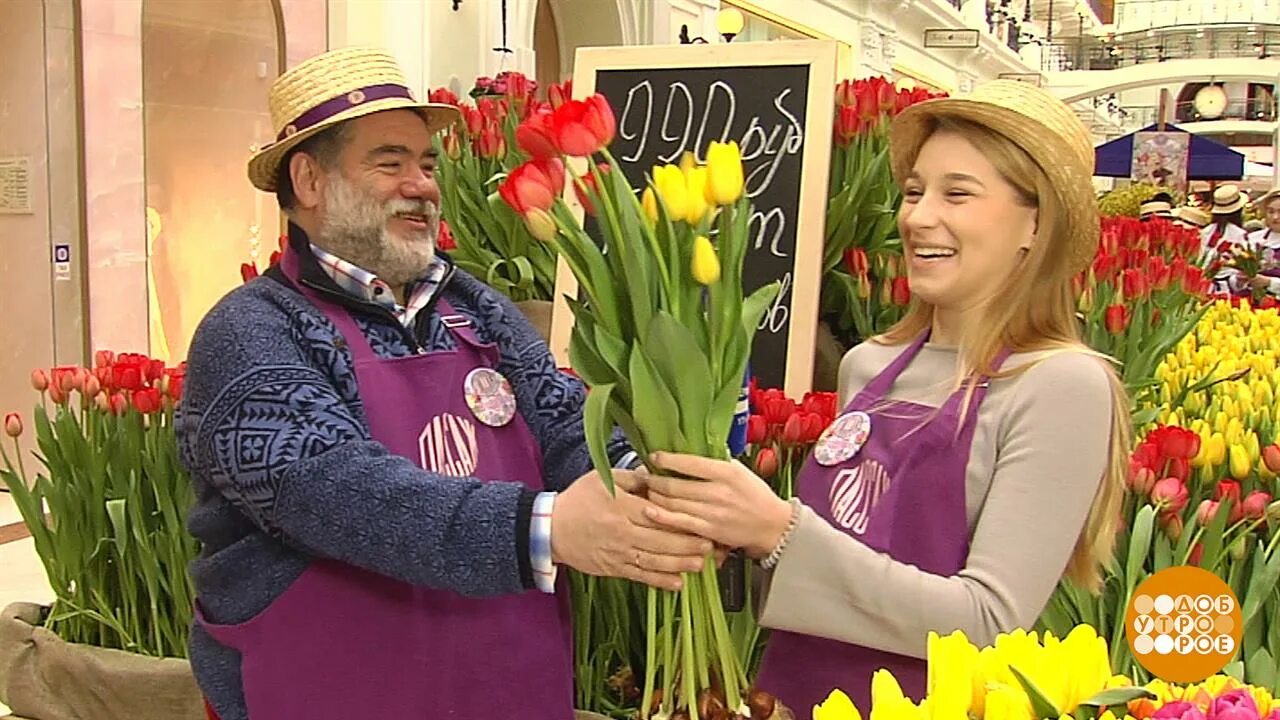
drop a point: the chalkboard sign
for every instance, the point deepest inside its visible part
(775, 99)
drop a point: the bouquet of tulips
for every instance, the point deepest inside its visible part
(1019, 677)
(1143, 293)
(484, 236)
(865, 288)
(113, 544)
(661, 315)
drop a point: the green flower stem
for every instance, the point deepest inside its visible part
(686, 646)
(650, 649)
(731, 672)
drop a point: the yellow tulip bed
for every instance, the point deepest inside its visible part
(1029, 676)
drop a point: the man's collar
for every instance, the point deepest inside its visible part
(310, 270)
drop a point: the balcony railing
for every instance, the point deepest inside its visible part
(1094, 53)
(1185, 112)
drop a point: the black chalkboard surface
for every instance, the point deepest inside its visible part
(663, 113)
(775, 100)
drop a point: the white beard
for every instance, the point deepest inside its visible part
(355, 229)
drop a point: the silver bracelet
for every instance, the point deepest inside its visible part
(768, 562)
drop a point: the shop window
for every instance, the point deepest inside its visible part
(207, 66)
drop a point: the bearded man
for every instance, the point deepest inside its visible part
(388, 464)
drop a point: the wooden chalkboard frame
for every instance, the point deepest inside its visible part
(820, 56)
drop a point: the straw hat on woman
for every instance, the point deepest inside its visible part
(982, 447)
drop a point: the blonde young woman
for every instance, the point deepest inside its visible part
(981, 452)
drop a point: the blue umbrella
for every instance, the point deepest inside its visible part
(1208, 160)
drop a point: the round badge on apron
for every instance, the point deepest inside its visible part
(842, 439)
(490, 397)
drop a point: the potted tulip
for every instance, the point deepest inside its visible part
(106, 510)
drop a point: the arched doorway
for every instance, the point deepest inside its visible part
(206, 70)
(560, 27)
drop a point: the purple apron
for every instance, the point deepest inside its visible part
(344, 642)
(902, 494)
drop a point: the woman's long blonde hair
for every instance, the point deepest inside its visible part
(1035, 310)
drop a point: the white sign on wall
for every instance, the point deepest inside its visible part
(15, 186)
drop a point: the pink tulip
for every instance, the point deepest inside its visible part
(1170, 494)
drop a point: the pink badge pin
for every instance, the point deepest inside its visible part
(490, 397)
(843, 438)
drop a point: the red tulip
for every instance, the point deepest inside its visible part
(64, 377)
(1171, 524)
(845, 94)
(535, 136)
(176, 379)
(92, 386)
(444, 239)
(147, 401)
(103, 358)
(901, 292)
(1207, 511)
(1134, 282)
(1141, 479)
(777, 410)
(559, 94)
(855, 259)
(583, 127)
(13, 425)
(847, 125)
(491, 143)
(1175, 442)
(1271, 457)
(1170, 495)
(128, 377)
(533, 185)
(452, 145)
(1116, 319)
(822, 403)
(1179, 468)
(1228, 489)
(589, 179)
(443, 95)
(793, 430)
(39, 380)
(57, 394)
(119, 404)
(767, 462)
(472, 119)
(757, 429)
(1197, 554)
(1255, 505)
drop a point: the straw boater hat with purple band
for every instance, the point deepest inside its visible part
(1040, 124)
(1228, 199)
(328, 89)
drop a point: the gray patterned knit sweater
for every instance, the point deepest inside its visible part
(273, 434)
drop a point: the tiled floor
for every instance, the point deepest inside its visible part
(21, 575)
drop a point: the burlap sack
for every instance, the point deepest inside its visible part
(539, 314)
(44, 678)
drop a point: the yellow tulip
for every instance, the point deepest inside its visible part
(688, 162)
(1240, 464)
(724, 173)
(696, 182)
(837, 706)
(887, 700)
(1006, 702)
(705, 265)
(1217, 449)
(649, 202)
(672, 189)
(953, 663)
(540, 224)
